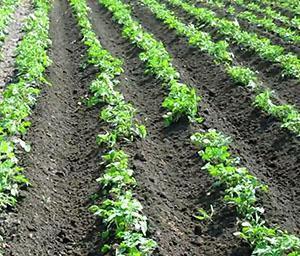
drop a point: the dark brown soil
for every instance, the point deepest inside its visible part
(269, 151)
(260, 31)
(287, 88)
(261, 15)
(14, 35)
(52, 219)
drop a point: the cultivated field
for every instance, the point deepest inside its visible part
(150, 127)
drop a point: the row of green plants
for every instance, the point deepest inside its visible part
(116, 180)
(241, 189)
(182, 100)
(232, 32)
(7, 9)
(288, 115)
(286, 34)
(119, 210)
(268, 12)
(292, 6)
(19, 97)
(118, 113)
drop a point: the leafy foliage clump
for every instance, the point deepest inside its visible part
(158, 62)
(126, 226)
(241, 189)
(121, 212)
(19, 97)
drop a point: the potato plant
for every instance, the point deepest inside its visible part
(18, 98)
(232, 32)
(119, 114)
(241, 191)
(181, 100)
(239, 74)
(122, 214)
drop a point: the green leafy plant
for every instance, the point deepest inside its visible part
(182, 100)
(233, 33)
(122, 213)
(287, 113)
(204, 215)
(117, 113)
(243, 76)
(241, 190)
(20, 96)
(121, 118)
(117, 174)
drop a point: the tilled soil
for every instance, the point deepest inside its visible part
(171, 185)
(53, 217)
(271, 74)
(270, 152)
(260, 31)
(14, 35)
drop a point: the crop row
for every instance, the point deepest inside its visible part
(7, 8)
(241, 191)
(232, 32)
(289, 116)
(181, 100)
(126, 226)
(118, 178)
(19, 97)
(244, 203)
(291, 5)
(286, 34)
(268, 12)
(117, 113)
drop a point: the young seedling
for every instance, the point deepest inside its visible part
(203, 215)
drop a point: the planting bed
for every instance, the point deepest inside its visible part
(53, 214)
(14, 32)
